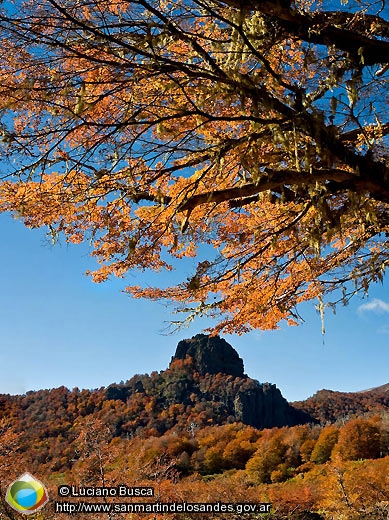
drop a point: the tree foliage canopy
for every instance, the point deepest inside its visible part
(153, 127)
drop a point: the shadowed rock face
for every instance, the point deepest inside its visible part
(211, 355)
(263, 406)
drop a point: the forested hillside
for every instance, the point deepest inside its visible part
(186, 431)
(327, 405)
(191, 393)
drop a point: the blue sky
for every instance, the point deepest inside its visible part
(58, 328)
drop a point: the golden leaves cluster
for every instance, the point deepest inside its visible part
(167, 131)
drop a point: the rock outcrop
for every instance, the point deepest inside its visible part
(237, 397)
(211, 355)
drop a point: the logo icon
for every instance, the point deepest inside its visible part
(27, 494)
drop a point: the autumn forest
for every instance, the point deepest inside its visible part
(182, 432)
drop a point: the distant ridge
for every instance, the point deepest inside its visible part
(376, 389)
(330, 406)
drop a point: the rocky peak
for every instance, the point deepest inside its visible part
(210, 354)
